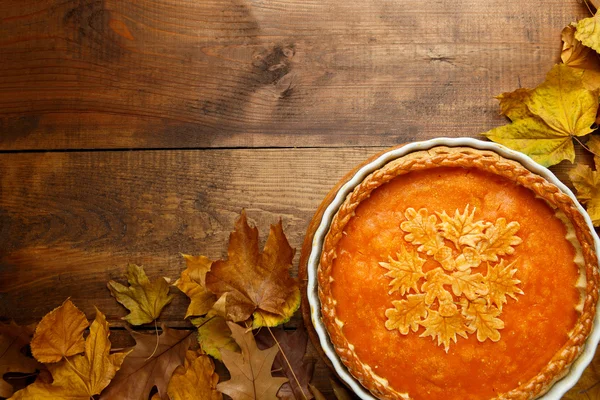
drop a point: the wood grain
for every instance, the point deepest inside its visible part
(90, 74)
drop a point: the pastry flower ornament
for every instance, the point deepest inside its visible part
(454, 297)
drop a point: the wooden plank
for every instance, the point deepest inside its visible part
(92, 74)
(70, 222)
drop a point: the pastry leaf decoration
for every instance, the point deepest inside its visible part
(456, 298)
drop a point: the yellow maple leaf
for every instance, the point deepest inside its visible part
(499, 240)
(196, 379)
(587, 184)
(59, 334)
(144, 299)
(434, 286)
(460, 229)
(501, 282)
(588, 32)
(81, 376)
(405, 272)
(444, 329)
(482, 319)
(588, 386)
(422, 230)
(576, 55)
(192, 282)
(545, 119)
(471, 285)
(406, 314)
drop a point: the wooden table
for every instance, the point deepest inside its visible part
(133, 131)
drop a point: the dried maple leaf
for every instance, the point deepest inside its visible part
(257, 284)
(251, 370)
(149, 364)
(214, 335)
(196, 379)
(545, 119)
(59, 334)
(594, 145)
(434, 286)
(405, 272)
(406, 314)
(444, 329)
(192, 282)
(499, 240)
(469, 284)
(421, 230)
(482, 319)
(501, 282)
(576, 55)
(587, 183)
(588, 386)
(588, 32)
(144, 299)
(293, 345)
(13, 338)
(80, 376)
(460, 229)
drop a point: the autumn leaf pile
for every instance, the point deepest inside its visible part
(234, 303)
(545, 120)
(438, 293)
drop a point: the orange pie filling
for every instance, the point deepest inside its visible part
(454, 283)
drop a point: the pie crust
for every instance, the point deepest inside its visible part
(488, 162)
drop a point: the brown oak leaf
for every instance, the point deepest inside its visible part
(406, 314)
(59, 334)
(293, 345)
(421, 229)
(144, 299)
(499, 240)
(482, 318)
(81, 376)
(250, 371)
(192, 282)
(149, 365)
(405, 272)
(13, 338)
(444, 329)
(501, 282)
(257, 284)
(196, 379)
(460, 229)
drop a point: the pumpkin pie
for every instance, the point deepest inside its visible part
(454, 273)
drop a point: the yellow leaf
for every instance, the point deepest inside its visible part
(214, 335)
(444, 329)
(192, 282)
(588, 32)
(257, 284)
(587, 184)
(594, 145)
(588, 386)
(251, 370)
(59, 334)
(406, 314)
(434, 286)
(421, 229)
(501, 282)
(460, 229)
(196, 379)
(576, 55)
(512, 104)
(557, 110)
(563, 103)
(499, 240)
(482, 318)
(471, 285)
(80, 376)
(405, 272)
(144, 299)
